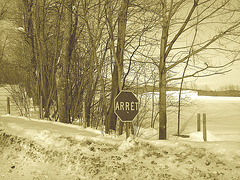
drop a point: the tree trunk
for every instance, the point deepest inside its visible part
(111, 121)
(63, 100)
(162, 77)
(153, 96)
(87, 113)
(162, 105)
(118, 67)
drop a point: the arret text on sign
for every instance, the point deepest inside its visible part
(126, 106)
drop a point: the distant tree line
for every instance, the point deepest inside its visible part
(227, 93)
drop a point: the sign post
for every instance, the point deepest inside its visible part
(126, 107)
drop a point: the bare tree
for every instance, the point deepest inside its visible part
(66, 57)
(117, 54)
(98, 41)
(170, 39)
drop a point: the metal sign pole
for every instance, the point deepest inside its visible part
(127, 129)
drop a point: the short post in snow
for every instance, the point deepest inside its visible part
(198, 123)
(204, 127)
(8, 105)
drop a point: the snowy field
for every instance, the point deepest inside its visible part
(223, 116)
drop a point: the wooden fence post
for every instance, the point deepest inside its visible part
(204, 127)
(198, 123)
(8, 105)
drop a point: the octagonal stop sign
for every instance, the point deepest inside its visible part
(126, 106)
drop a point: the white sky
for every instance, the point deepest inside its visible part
(217, 81)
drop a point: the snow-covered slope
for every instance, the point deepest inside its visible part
(37, 149)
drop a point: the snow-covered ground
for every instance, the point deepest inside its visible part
(39, 149)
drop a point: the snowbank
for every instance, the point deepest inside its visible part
(198, 136)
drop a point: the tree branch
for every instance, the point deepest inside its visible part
(130, 60)
(204, 69)
(182, 28)
(205, 46)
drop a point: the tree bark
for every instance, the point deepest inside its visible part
(118, 67)
(162, 104)
(63, 100)
(112, 118)
(162, 77)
